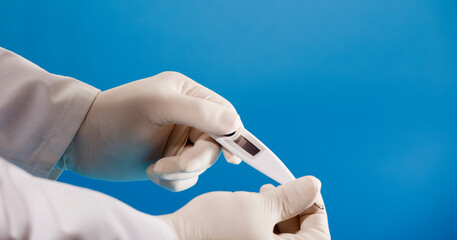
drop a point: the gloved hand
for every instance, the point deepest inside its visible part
(245, 215)
(154, 127)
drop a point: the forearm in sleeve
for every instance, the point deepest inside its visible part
(40, 113)
(37, 208)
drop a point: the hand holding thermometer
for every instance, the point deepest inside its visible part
(252, 151)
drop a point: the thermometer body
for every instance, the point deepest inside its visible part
(252, 151)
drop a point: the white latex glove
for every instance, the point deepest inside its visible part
(246, 215)
(154, 127)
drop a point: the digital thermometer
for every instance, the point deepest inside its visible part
(252, 151)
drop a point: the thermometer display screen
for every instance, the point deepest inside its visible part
(246, 145)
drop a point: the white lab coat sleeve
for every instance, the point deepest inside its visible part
(40, 114)
(38, 208)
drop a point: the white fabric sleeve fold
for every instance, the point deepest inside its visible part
(40, 114)
(37, 208)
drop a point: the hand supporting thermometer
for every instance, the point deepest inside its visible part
(252, 151)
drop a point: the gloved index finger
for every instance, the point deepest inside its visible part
(194, 89)
(201, 114)
(191, 88)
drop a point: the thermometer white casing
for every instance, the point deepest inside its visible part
(252, 151)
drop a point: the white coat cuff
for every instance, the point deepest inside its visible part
(64, 130)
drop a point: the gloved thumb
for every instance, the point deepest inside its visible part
(202, 114)
(294, 197)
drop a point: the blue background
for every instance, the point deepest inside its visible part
(361, 94)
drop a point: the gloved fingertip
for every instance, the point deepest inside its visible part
(230, 157)
(156, 168)
(150, 170)
(178, 186)
(233, 160)
(151, 175)
(171, 185)
(230, 120)
(316, 182)
(267, 187)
